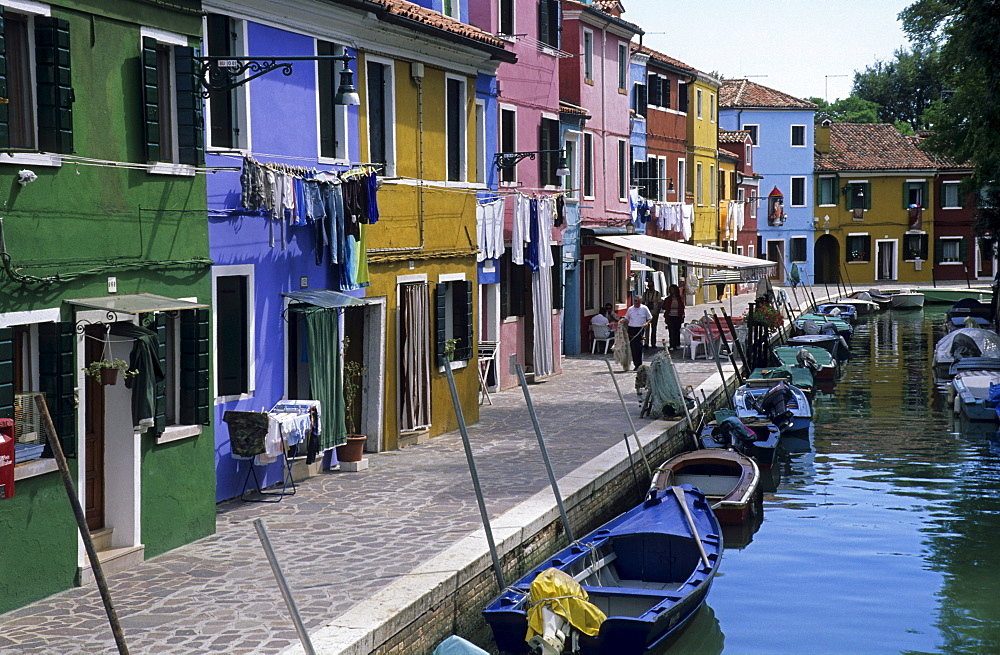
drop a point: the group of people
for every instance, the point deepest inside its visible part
(641, 320)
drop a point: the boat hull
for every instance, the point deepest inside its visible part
(800, 412)
(970, 394)
(763, 450)
(907, 301)
(945, 296)
(729, 480)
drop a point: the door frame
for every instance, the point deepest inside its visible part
(779, 270)
(894, 262)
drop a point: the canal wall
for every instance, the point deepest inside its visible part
(446, 595)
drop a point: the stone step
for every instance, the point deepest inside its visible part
(102, 538)
(113, 560)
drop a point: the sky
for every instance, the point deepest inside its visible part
(794, 46)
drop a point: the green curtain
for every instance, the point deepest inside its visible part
(323, 336)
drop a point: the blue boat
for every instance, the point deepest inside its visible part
(647, 571)
(776, 401)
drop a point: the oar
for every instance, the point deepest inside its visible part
(679, 494)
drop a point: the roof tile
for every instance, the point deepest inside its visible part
(871, 146)
(660, 57)
(744, 93)
(438, 20)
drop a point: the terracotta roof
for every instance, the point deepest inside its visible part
(733, 136)
(941, 161)
(607, 8)
(744, 93)
(436, 19)
(871, 146)
(567, 108)
(662, 58)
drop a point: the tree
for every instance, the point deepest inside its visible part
(966, 118)
(851, 109)
(903, 88)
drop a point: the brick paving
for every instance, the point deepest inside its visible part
(343, 536)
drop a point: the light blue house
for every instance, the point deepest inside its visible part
(637, 119)
(781, 127)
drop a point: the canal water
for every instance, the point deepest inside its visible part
(883, 533)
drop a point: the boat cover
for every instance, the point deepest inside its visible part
(994, 397)
(455, 645)
(967, 342)
(564, 596)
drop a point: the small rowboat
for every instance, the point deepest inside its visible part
(773, 400)
(906, 300)
(844, 311)
(969, 394)
(729, 480)
(756, 439)
(823, 365)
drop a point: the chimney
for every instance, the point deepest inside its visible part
(823, 136)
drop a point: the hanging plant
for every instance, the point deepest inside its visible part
(767, 316)
(107, 371)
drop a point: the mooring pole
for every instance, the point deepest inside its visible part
(635, 433)
(286, 591)
(475, 476)
(545, 453)
(81, 522)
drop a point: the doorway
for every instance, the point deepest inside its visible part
(827, 257)
(885, 259)
(94, 433)
(776, 254)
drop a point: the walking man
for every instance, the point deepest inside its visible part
(637, 317)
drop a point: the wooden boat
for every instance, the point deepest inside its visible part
(963, 343)
(906, 299)
(832, 343)
(757, 440)
(968, 394)
(951, 295)
(776, 401)
(729, 480)
(862, 303)
(841, 310)
(823, 365)
(648, 571)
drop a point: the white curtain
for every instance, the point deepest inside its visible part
(415, 380)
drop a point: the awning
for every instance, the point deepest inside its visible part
(323, 299)
(136, 303)
(638, 266)
(674, 252)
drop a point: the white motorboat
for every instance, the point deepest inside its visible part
(906, 300)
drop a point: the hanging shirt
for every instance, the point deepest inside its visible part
(372, 184)
(521, 233)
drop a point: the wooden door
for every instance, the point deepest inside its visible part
(94, 436)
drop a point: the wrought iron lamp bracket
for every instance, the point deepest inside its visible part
(219, 74)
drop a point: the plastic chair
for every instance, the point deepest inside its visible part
(692, 338)
(603, 334)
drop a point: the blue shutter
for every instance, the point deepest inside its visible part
(190, 126)
(57, 379)
(194, 358)
(54, 85)
(150, 99)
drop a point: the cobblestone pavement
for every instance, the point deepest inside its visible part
(343, 536)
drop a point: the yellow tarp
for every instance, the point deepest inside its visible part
(564, 596)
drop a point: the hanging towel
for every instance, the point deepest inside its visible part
(247, 432)
(521, 232)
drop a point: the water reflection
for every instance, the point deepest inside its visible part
(881, 536)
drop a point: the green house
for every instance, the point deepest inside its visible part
(103, 257)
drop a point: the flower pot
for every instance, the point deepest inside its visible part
(109, 376)
(353, 450)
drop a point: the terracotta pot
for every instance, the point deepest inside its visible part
(109, 376)
(353, 450)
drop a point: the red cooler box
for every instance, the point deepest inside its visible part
(6, 458)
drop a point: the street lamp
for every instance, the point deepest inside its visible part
(508, 160)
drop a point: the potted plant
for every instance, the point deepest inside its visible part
(354, 449)
(449, 349)
(107, 371)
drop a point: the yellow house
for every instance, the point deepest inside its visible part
(703, 157)
(418, 118)
(874, 210)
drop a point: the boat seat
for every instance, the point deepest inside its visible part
(710, 485)
(636, 590)
(595, 567)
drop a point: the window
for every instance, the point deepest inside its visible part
(652, 180)
(798, 136)
(950, 198)
(622, 66)
(914, 194)
(639, 175)
(621, 280)
(171, 100)
(455, 126)
(183, 355)
(797, 248)
(549, 161)
(332, 117)
(380, 111)
(506, 17)
(234, 315)
(858, 195)
(571, 181)
(227, 109)
(35, 72)
(557, 277)
(712, 188)
(754, 131)
(588, 165)
(711, 107)
(950, 250)
(590, 289)
(859, 247)
(453, 319)
(548, 22)
(659, 90)
(681, 179)
(481, 142)
(826, 191)
(682, 97)
(914, 247)
(698, 184)
(698, 95)
(622, 170)
(513, 287)
(450, 8)
(640, 99)
(798, 192)
(749, 155)
(588, 56)
(508, 140)
(661, 178)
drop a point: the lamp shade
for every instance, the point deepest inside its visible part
(346, 93)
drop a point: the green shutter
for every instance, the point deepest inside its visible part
(543, 21)
(440, 324)
(963, 251)
(923, 247)
(938, 251)
(4, 109)
(556, 272)
(906, 195)
(194, 387)
(7, 372)
(190, 126)
(54, 85)
(461, 316)
(925, 195)
(159, 325)
(57, 379)
(150, 99)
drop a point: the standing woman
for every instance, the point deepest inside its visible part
(673, 314)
